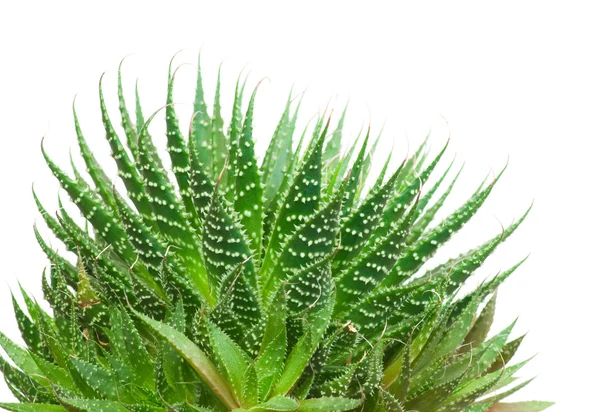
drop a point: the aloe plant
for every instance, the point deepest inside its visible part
(286, 284)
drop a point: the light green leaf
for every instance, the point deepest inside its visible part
(19, 356)
(93, 405)
(328, 404)
(99, 379)
(277, 403)
(233, 360)
(32, 407)
(482, 325)
(196, 358)
(531, 406)
(273, 348)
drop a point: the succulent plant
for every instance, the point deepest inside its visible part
(224, 283)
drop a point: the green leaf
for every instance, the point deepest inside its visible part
(354, 178)
(168, 211)
(492, 285)
(328, 404)
(482, 325)
(419, 252)
(274, 206)
(54, 373)
(219, 142)
(170, 216)
(146, 242)
(279, 153)
(432, 334)
(334, 144)
(59, 232)
(269, 363)
(32, 407)
(396, 208)
(111, 277)
(531, 406)
(177, 284)
(370, 370)
(338, 385)
(94, 211)
(317, 320)
(250, 394)
(426, 218)
(117, 337)
(139, 115)
(178, 152)
(414, 166)
(505, 394)
(491, 350)
(470, 391)
(371, 314)
(506, 354)
(311, 242)
(234, 132)
(396, 376)
(460, 270)
(126, 123)
(305, 289)
(238, 312)
(426, 198)
(248, 202)
(478, 407)
(224, 245)
(277, 403)
(170, 367)
(144, 407)
(101, 181)
(366, 169)
(388, 402)
(141, 361)
(29, 331)
(19, 356)
(301, 202)
(233, 360)
(358, 227)
(48, 332)
(457, 331)
(429, 400)
(23, 387)
(370, 269)
(99, 379)
(126, 167)
(93, 405)
(201, 185)
(196, 358)
(201, 133)
(342, 167)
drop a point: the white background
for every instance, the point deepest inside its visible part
(510, 78)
